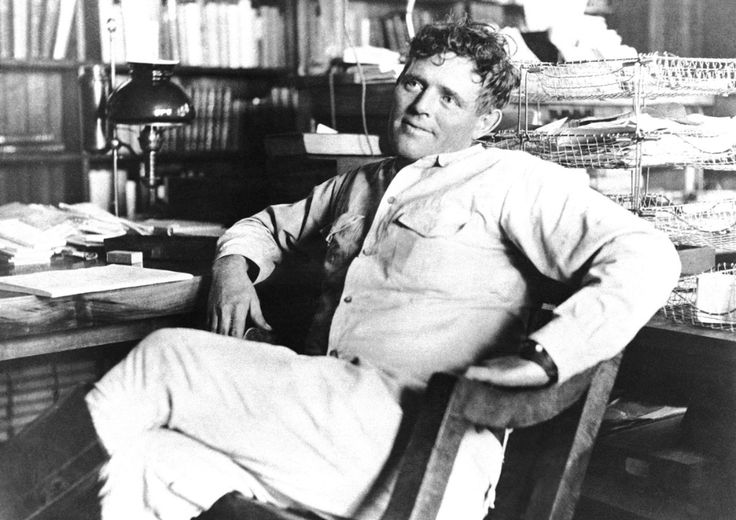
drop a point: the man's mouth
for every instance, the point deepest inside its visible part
(414, 128)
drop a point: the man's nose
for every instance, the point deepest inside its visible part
(424, 103)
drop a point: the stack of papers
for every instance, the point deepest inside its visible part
(31, 234)
(54, 284)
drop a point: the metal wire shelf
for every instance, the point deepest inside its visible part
(710, 224)
(578, 148)
(648, 76)
(683, 303)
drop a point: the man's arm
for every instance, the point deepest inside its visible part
(249, 251)
(233, 298)
(622, 269)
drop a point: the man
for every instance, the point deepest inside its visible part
(434, 261)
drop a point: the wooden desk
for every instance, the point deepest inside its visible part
(32, 325)
(684, 471)
(675, 360)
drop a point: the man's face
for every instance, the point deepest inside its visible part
(434, 107)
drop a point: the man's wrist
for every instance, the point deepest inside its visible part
(251, 267)
(534, 352)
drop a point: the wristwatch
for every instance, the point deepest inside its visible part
(533, 351)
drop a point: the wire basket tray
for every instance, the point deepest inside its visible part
(710, 224)
(578, 148)
(683, 307)
(656, 76)
(642, 204)
(573, 150)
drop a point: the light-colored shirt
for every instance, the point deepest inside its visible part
(442, 264)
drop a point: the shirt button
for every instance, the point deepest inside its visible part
(391, 200)
(368, 251)
(347, 299)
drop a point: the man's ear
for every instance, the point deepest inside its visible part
(487, 122)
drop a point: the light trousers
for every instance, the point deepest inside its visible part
(189, 416)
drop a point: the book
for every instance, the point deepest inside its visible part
(321, 144)
(64, 28)
(112, 44)
(20, 29)
(48, 28)
(36, 9)
(68, 282)
(141, 27)
(6, 29)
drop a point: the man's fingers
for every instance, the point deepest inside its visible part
(257, 315)
(237, 318)
(509, 371)
(212, 321)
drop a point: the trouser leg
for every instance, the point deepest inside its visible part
(166, 475)
(316, 430)
(50, 466)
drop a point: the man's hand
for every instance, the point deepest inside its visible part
(233, 299)
(509, 371)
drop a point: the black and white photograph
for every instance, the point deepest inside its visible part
(367, 260)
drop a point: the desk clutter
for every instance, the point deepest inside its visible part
(34, 233)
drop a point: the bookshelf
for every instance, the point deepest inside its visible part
(241, 91)
(379, 23)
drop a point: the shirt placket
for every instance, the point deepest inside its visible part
(403, 180)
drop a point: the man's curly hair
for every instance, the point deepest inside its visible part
(481, 43)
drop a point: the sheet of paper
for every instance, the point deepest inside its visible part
(68, 282)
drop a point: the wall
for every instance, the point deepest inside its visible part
(719, 36)
(689, 28)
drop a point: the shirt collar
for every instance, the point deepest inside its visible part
(445, 159)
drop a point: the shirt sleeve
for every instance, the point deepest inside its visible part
(620, 267)
(267, 236)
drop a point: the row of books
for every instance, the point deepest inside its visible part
(222, 33)
(30, 112)
(35, 29)
(225, 121)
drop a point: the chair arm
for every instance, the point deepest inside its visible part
(500, 407)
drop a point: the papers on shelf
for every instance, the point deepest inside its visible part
(54, 284)
(685, 139)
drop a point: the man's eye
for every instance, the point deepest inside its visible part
(449, 100)
(411, 84)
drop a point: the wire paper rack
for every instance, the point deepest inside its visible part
(581, 148)
(710, 224)
(647, 75)
(684, 304)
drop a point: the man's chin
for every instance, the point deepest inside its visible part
(412, 150)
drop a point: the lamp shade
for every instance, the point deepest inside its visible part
(149, 97)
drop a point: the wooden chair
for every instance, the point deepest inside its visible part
(546, 457)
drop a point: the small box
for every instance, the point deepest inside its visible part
(715, 297)
(125, 257)
(696, 259)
